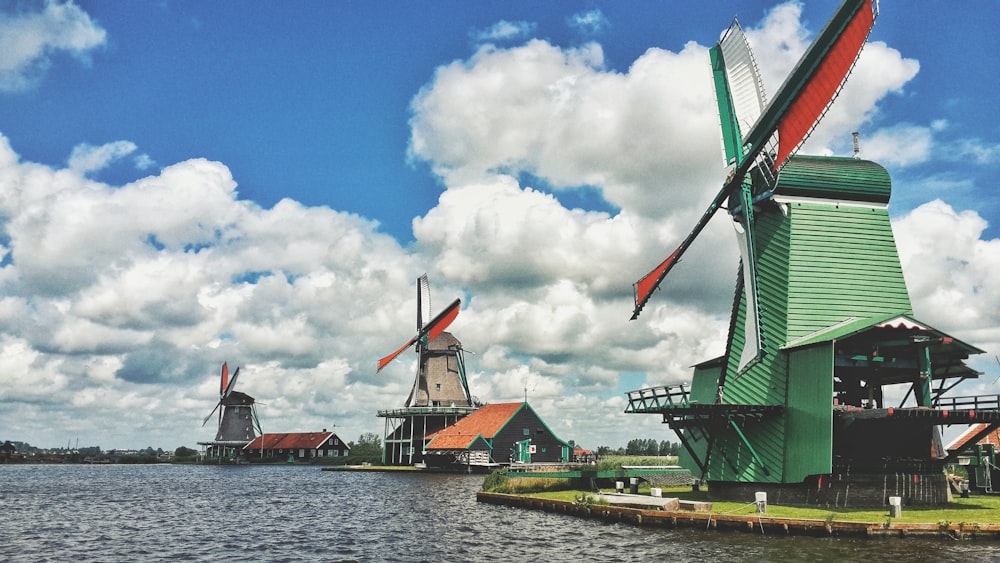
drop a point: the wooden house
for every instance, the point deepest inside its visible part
(297, 446)
(496, 434)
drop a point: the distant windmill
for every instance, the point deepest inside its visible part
(821, 319)
(238, 422)
(440, 393)
(440, 378)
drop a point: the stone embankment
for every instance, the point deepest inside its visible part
(753, 523)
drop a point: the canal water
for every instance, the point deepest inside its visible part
(290, 513)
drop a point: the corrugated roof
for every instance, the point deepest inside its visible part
(485, 422)
(292, 440)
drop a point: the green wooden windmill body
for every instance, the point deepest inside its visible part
(819, 261)
(822, 327)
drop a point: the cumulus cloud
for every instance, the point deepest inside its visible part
(951, 270)
(29, 39)
(120, 302)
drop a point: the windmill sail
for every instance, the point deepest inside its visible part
(226, 386)
(423, 301)
(428, 332)
(815, 81)
(739, 89)
(791, 115)
(225, 379)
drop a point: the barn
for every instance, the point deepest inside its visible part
(297, 446)
(496, 434)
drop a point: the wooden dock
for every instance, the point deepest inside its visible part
(752, 523)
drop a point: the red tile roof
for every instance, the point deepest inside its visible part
(291, 440)
(485, 422)
(965, 438)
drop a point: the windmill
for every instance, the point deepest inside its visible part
(238, 423)
(821, 329)
(440, 393)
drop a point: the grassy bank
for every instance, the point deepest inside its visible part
(981, 509)
(977, 509)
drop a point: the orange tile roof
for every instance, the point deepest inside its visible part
(485, 422)
(291, 440)
(964, 439)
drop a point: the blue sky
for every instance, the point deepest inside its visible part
(549, 152)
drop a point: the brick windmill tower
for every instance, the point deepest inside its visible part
(822, 330)
(440, 393)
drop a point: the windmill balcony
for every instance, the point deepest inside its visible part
(407, 411)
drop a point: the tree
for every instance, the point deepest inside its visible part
(368, 448)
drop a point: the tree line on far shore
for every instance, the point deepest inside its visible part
(642, 446)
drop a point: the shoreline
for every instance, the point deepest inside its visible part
(754, 523)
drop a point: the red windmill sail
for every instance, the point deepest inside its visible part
(793, 113)
(430, 331)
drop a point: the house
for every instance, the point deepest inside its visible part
(297, 446)
(496, 434)
(978, 450)
(7, 450)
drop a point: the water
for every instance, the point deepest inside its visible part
(287, 513)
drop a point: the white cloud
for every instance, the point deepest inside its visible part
(505, 30)
(120, 299)
(29, 39)
(590, 22)
(902, 145)
(951, 271)
(87, 158)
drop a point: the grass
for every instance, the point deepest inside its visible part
(980, 509)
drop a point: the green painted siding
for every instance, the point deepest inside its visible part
(843, 263)
(819, 263)
(809, 413)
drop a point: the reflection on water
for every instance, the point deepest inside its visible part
(212, 513)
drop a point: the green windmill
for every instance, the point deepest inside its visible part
(822, 329)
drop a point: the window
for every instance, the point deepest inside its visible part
(526, 431)
(437, 387)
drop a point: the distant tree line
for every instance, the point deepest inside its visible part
(643, 446)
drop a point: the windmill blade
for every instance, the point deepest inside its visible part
(815, 81)
(232, 384)
(739, 90)
(217, 405)
(225, 379)
(439, 323)
(384, 361)
(429, 332)
(423, 301)
(792, 114)
(753, 347)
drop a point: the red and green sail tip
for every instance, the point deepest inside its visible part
(824, 85)
(645, 286)
(430, 331)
